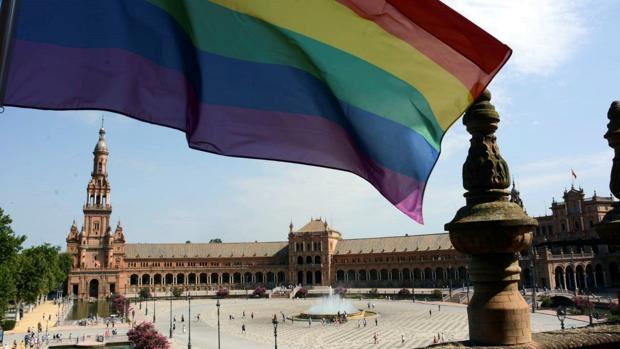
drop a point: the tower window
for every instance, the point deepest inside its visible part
(99, 167)
(96, 225)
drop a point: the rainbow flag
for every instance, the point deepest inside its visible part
(366, 86)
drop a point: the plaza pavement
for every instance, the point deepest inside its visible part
(395, 318)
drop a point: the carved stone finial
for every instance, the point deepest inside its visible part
(485, 173)
(613, 138)
(610, 224)
(492, 230)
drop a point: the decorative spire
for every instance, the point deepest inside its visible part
(290, 227)
(485, 173)
(515, 196)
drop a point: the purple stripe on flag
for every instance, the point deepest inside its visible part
(108, 81)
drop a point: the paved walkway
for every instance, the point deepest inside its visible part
(39, 314)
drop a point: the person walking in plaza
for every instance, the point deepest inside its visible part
(243, 328)
(402, 339)
(430, 313)
(438, 307)
(376, 321)
(182, 318)
(375, 337)
(183, 328)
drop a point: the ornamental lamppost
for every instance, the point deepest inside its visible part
(561, 314)
(532, 269)
(171, 294)
(274, 321)
(413, 286)
(218, 323)
(189, 322)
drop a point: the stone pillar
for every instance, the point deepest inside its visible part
(492, 230)
(609, 228)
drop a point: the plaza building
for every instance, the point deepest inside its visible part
(568, 253)
(314, 254)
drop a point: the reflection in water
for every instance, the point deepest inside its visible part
(81, 309)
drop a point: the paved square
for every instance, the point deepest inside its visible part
(395, 319)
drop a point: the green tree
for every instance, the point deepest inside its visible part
(215, 241)
(10, 245)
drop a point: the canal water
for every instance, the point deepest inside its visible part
(81, 309)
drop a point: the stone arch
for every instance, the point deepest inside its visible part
(300, 260)
(395, 273)
(308, 259)
(259, 277)
(318, 278)
(93, 288)
(317, 259)
(169, 279)
(202, 279)
(271, 277)
(569, 274)
(406, 274)
(351, 275)
(340, 275)
(383, 274)
(373, 275)
(191, 279)
(581, 277)
(215, 278)
(361, 275)
(309, 277)
(417, 274)
(237, 278)
(300, 277)
(450, 272)
(133, 280)
(462, 273)
(247, 278)
(559, 278)
(180, 279)
(439, 273)
(157, 279)
(598, 274)
(281, 277)
(225, 278)
(428, 273)
(590, 277)
(146, 279)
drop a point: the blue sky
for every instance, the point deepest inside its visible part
(553, 97)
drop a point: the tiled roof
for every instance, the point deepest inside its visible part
(315, 225)
(429, 242)
(204, 250)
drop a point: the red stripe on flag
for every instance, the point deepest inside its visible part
(392, 21)
(456, 31)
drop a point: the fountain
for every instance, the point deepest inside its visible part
(331, 306)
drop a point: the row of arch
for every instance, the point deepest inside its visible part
(439, 273)
(207, 279)
(583, 278)
(309, 260)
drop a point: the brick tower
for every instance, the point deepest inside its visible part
(97, 254)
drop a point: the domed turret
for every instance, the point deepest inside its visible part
(101, 147)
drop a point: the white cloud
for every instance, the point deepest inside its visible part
(542, 33)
